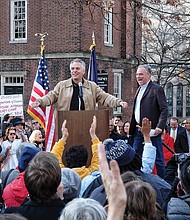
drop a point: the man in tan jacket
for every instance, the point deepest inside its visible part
(77, 93)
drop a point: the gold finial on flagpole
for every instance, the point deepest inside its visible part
(42, 37)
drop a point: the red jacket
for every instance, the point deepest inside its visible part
(170, 142)
(15, 192)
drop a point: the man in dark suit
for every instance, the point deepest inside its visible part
(182, 144)
(175, 129)
(150, 102)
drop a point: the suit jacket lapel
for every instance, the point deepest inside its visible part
(147, 89)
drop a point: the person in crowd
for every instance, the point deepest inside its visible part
(113, 184)
(76, 157)
(36, 126)
(20, 129)
(6, 122)
(15, 193)
(175, 129)
(179, 208)
(127, 137)
(182, 144)
(83, 209)
(113, 133)
(42, 179)
(169, 141)
(13, 144)
(78, 93)
(150, 102)
(141, 202)
(120, 128)
(72, 184)
(116, 119)
(37, 139)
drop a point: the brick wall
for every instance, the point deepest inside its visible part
(70, 29)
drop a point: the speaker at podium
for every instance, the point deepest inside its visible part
(78, 124)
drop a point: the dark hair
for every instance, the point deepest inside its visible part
(135, 164)
(129, 176)
(141, 202)
(76, 156)
(174, 118)
(7, 132)
(42, 177)
(185, 176)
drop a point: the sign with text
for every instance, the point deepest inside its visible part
(103, 81)
(11, 104)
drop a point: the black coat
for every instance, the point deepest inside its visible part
(153, 106)
(35, 211)
(181, 144)
(180, 129)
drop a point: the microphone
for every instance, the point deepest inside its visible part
(80, 90)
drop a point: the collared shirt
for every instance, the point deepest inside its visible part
(77, 103)
(138, 101)
(188, 138)
(173, 133)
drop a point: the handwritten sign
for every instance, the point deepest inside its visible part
(11, 104)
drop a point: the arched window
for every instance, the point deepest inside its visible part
(188, 101)
(179, 97)
(169, 97)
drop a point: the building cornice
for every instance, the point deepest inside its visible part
(61, 56)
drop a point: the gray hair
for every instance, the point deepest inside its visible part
(83, 209)
(77, 60)
(147, 67)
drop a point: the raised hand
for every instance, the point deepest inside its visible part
(93, 128)
(113, 185)
(64, 130)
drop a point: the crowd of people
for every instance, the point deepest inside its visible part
(140, 172)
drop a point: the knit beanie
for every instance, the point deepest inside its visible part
(71, 183)
(26, 156)
(118, 150)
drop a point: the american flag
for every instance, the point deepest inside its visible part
(45, 115)
(92, 71)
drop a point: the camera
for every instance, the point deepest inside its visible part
(182, 157)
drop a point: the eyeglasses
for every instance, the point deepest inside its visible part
(12, 133)
(35, 123)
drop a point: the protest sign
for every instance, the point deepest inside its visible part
(11, 104)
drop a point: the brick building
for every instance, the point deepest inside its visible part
(69, 27)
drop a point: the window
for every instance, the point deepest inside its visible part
(12, 83)
(169, 97)
(18, 21)
(188, 101)
(108, 27)
(180, 100)
(117, 90)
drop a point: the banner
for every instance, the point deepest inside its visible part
(11, 104)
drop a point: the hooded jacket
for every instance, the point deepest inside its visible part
(15, 192)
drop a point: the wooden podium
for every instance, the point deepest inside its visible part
(78, 124)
